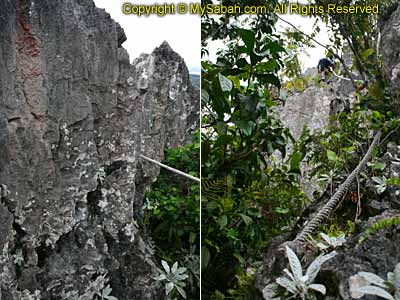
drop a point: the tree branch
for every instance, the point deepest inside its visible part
(347, 71)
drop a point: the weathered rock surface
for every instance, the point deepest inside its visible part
(313, 108)
(378, 254)
(74, 116)
(390, 38)
(310, 108)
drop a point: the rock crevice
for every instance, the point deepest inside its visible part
(74, 116)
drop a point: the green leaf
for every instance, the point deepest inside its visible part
(235, 80)
(218, 295)
(270, 147)
(204, 96)
(233, 234)
(269, 78)
(223, 140)
(377, 166)
(281, 210)
(219, 102)
(248, 37)
(247, 220)
(225, 83)
(192, 237)
(332, 155)
(367, 53)
(393, 181)
(266, 67)
(350, 149)
(295, 264)
(241, 63)
(250, 103)
(295, 161)
(246, 126)
(275, 47)
(221, 128)
(243, 49)
(223, 221)
(205, 257)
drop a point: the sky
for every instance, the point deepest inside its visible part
(182, 32)
(311, 56)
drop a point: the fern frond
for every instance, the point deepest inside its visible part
(212, 189)
(386, 223)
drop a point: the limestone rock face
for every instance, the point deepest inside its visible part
(313, 109)
(310, 108)
(315, 105)
(390, 40)
(162, 81)
(74, 117)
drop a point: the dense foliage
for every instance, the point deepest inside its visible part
(172, 214)
(247, 197)
(251, 190)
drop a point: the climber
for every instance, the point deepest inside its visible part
(325, 66)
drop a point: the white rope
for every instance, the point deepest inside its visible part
(341, 77)
(170, 169)
(344, 78)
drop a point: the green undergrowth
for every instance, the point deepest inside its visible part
(251, 185)
(172, 214)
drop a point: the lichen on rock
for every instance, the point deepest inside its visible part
(74, 116)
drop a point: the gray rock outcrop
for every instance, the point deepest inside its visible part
(310, 108)
(313, 108)
(74, 116)
(390, 41)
